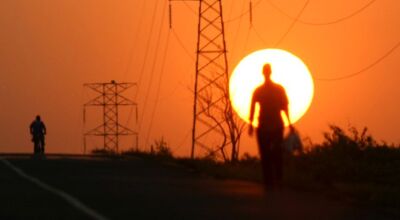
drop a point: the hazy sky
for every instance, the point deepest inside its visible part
(50, 48)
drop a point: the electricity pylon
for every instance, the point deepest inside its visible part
(211, 97)
(110, 98)
(214, 125)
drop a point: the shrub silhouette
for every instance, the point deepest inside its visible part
(351, 162)
(161, 148)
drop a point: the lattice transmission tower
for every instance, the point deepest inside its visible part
(109, 96)
(211, 98)
(215, 127)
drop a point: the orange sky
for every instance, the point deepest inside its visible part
(50, 48)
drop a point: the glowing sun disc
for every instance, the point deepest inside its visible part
(287, 70)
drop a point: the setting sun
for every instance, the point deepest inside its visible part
(287, 70)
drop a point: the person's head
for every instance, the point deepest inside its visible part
(37, 117)
(267, 71)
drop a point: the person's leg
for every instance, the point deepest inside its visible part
(277, 154)
(35, 144)
(35, 147)
(261, 151)
(264, 146)
(42, 144)
(269, 165)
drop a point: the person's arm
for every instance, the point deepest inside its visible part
(30, 128)
(251, 116)
(286, 110)
(44, 129)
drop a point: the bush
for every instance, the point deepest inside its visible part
(161, 148)
(345, 161)
(249, 160)
(349, 163)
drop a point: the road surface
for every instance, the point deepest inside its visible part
(134, 188)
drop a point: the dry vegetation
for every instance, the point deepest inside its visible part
(349, 164)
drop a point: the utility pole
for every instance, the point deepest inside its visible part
(215, 126)
(211, 80)
(109, 97)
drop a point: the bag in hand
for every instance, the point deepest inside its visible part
(292, 142)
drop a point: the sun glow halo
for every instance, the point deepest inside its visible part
(287, 70)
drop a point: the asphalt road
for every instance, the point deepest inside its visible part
(135, 188)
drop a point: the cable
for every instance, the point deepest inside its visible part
(229, 20)
(190, 8)
(158, 90)
(236, 36)
(132, 55)
(327, 22)
(152, 67)
(147, 46)
(380, 59)
(246, 42)
(145, 59)
(258, 35)
(131, 51)
(297, 19)
(292, 25)
(231, 9)
(287, 31)
(180, 42)
(243, 13)
(182, 141)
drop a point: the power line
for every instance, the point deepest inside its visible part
(158, 90)
(145, 58)
(380, 59)
(231, 9)
(245, 44)
(326, 22)
(190, 8)
(241, 15)
(287, 31)
(236, 36)
(147, 46)
(180, 42)
(179, 146)
(297, 19)
(131, 56)
(131, 51)
(258, 35)
(293, 23)
(152, 67)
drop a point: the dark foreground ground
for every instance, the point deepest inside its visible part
(134, 188)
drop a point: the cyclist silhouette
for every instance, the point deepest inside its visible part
(38, 131)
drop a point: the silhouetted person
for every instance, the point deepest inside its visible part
(38, 131)
(272, 99)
